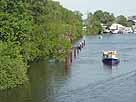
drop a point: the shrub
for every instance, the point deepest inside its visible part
(12, 68)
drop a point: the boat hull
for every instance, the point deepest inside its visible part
(110, 61)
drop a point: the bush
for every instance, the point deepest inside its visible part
(12, 68)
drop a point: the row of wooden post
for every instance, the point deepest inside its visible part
(75, 50)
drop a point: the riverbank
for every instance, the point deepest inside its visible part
(31, 30)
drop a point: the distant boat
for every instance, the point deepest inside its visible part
(110, 57)
(100, 37)
(115, 31)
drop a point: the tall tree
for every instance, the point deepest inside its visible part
(31, 29)
(122, 20)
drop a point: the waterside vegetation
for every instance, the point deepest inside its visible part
(100, 20)
(31, 29)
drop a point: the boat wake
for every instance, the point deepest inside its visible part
(94, 90)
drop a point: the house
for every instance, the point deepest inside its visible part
(133, 22)
(132, 19)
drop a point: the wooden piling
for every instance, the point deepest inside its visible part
(77, 49)
(80, 46)
(71, 59)
(75, 52)
(84, 42)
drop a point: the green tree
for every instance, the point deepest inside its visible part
(15, 28)
(12, 68)
(122, 20)
(99, 15)
(94, 21)
(32, 29)
(108, 19)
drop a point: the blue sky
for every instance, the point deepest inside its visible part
(118, 7)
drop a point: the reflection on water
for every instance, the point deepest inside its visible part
(87, 79)
(111, 69)
(19, 94)
(107, 68)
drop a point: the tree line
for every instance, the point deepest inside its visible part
(94, 21)
(31, 29)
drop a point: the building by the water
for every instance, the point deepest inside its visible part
(132, 19)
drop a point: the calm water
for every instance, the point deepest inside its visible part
(87, 79)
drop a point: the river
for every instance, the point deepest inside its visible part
(86, 79)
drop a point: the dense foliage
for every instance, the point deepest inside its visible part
(12, 68)
(123, 21)
(30, 29)
(95, 20)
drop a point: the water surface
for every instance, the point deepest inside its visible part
(87, 79)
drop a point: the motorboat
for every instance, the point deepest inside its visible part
(110, 57)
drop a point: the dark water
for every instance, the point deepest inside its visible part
(87, 79)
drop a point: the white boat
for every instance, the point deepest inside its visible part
(115, 31)
(110, 57)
